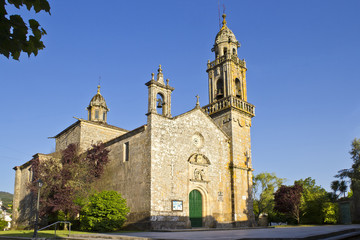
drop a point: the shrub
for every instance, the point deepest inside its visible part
(3, 224)
(330, 212)
(105, 212)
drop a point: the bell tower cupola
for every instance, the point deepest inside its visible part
(227, 73)
(97, 109)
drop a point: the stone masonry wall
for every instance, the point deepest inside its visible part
(93, 133)
(84, 134)
(237, 125)
(72, 135)
(130, 178)
(24, 201)
(175, 142)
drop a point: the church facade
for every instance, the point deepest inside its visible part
(190, 170)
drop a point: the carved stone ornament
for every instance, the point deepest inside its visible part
(198, 140)
(199, 174)
(199, 159)
(217, 71)
(226, 119)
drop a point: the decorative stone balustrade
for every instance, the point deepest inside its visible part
(230, 102)
(222, 59)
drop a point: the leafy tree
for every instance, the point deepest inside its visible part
(313, 198)
(339, 186)
(14, 32)
(288, 199)
(67, 179)
(353, 174)
(105, 212)
(264, 186)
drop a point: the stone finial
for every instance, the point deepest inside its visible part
(197, 101)
(152, 76)
(167, 82)
(160, 75)
(224, 21)
(98, 89)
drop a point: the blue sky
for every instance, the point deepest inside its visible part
(303, 61)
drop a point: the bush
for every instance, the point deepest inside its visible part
(331, 212)
(105, 212)
(3, 224)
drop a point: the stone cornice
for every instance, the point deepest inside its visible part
(154, 82)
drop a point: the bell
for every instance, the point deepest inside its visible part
(160, 104)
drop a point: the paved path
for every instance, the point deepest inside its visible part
(268, 233)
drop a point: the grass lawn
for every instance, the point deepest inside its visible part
(41, 234)
(45, 233)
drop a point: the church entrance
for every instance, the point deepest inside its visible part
(195, 208)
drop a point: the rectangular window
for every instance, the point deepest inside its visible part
(96, 114)
(126, 152)
(104, 116)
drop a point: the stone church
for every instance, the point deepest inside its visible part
(190, 170)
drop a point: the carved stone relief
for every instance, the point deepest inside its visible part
(198, 140)
(199, 159)
(199, 174)
(198, 167)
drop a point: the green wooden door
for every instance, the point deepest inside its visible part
(195, 208)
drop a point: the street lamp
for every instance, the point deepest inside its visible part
(39, 185)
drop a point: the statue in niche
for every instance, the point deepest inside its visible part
(199, 174)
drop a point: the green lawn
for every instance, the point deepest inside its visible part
(43, 234)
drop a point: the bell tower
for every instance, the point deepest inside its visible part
(159, 95)
(230, 110)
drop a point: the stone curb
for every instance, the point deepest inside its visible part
(209, 229)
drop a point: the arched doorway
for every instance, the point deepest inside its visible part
(195, 208)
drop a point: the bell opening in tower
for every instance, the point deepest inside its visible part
(238, 88)
(160, 103)
(219, 89)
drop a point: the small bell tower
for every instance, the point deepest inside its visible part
(159, 95)
(97, 109)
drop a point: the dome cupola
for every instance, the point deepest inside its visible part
(97, 109)
(225, 41)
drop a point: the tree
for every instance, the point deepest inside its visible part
(313, 198)
(339, 186)
(14, 32)
(68, 180)
(105, 212)
(353, 174)
(264, 186)
(287, 200)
